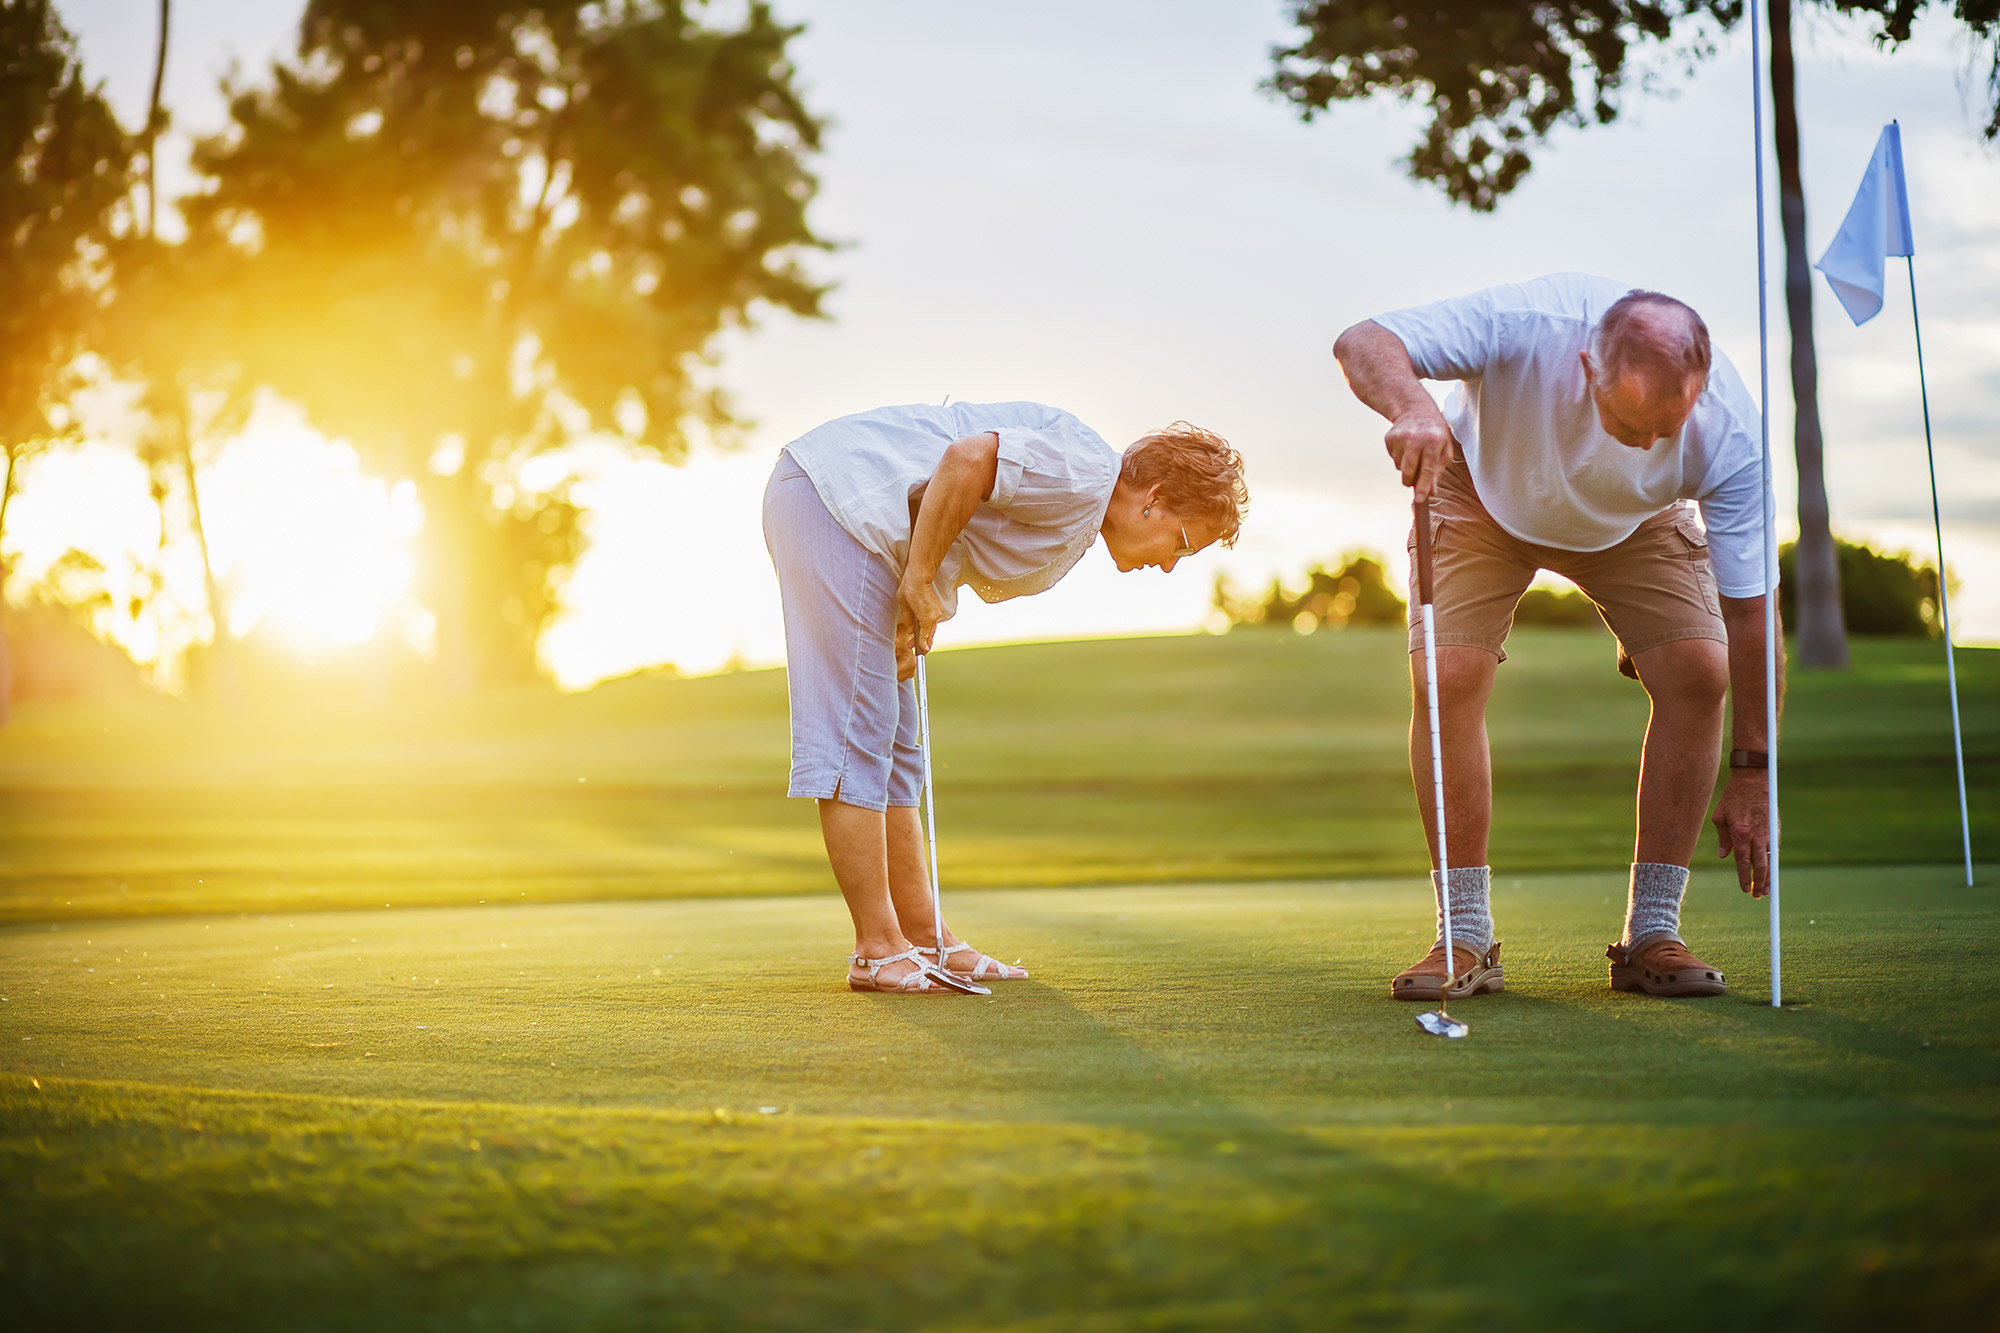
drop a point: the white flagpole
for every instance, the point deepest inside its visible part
(1944, 608)
(1770, 504)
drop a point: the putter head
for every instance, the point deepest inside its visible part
(964, 985)
(1441, 1024)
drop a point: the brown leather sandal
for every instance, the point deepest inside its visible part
(1477, 974)
(1663, 966)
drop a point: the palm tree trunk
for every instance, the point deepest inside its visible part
(222, 677)
(1822, 632)
(452, 560)
(153, 120)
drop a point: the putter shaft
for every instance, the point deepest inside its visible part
(930, 808)
(1422, 511)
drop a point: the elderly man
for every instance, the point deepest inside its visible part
(1585, 416)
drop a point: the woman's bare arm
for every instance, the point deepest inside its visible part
(964, 477)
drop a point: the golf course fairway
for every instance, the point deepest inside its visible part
(1219, 759)
(1202, 1111)
(527, 1011)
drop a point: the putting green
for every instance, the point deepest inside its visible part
(1201, 1112)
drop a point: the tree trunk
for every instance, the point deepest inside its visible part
(1822, 640)
(153, 121)
(450, 571)
(222, 673)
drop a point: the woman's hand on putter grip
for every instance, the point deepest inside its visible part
(918, 611)
(1420, 442)
(1742, 822)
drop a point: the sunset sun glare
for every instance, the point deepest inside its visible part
(308, 550)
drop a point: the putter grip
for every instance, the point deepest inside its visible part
(1421, 518)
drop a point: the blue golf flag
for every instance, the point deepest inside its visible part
(1877, 226)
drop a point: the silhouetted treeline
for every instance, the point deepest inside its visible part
(459, 236)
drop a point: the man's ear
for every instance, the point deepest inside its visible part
(1589, 371)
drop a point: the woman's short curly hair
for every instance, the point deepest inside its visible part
(1199, 475)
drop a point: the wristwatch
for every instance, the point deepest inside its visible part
(1749, 759)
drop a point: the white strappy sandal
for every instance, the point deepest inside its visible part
(923, 979)
(981, 967)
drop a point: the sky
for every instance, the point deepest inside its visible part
(1092, 204)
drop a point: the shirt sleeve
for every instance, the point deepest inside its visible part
(1050, 476)
(1447, 340)
(1732, 513)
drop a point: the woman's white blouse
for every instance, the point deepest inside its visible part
(1054, 481)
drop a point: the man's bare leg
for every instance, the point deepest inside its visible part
(1465, 682)
(1688, 681)
(858, 850)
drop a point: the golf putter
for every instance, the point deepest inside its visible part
(1436, 1022)
(940, 972)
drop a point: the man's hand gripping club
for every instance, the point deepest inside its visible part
(1381, 374)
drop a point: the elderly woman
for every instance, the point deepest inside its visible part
(874, 521)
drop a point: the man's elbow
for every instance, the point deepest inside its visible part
(1351, 341)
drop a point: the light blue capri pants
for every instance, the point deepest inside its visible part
(854, 726)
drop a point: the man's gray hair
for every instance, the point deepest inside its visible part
(1652, 336)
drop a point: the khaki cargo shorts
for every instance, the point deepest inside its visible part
(1654, 587)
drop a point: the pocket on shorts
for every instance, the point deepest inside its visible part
(1437, 534)
(1437, 528)
(1692, 533)
(1696, 540)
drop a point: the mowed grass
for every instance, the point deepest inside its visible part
(573, 1051)
(1245, 757)
(1202, 1112)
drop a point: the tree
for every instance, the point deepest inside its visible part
(472, 233)
(156, 120)
(60, 649)
(172, 330)
(1880, 593)
(162, 331)
(1498, 78)
(168, 329)
(65, 171)
(1355, 593)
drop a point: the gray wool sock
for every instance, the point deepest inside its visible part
(1471, 907)
(1653, 903)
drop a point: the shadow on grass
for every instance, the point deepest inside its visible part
(1186, 1139)
(1439, 1221)
(1317, 1035)
(1151, 1196)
